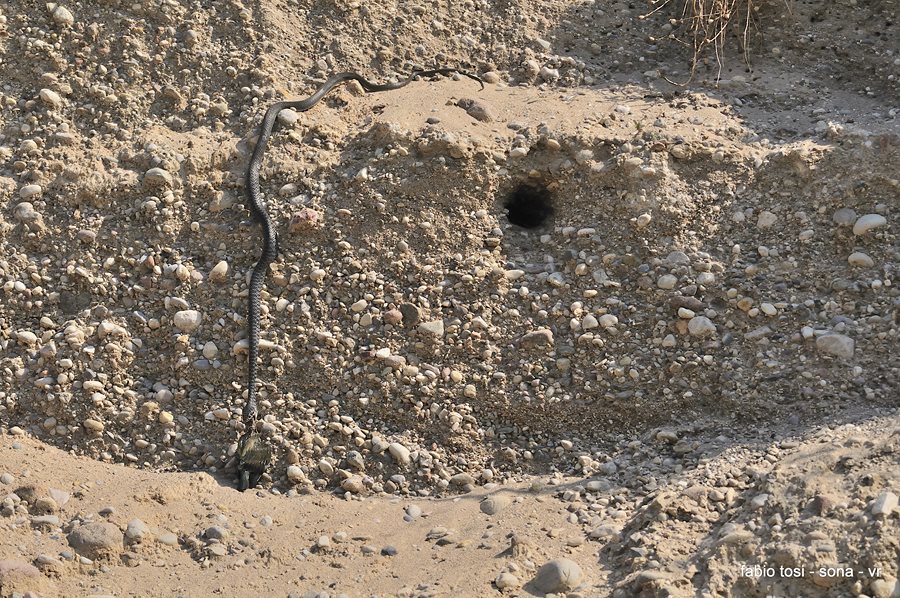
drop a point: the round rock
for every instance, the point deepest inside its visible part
(187, 320)
(860, 260)
(493, 504)
(560, 575)
(867, 223)
(701, 326)
(96, 540)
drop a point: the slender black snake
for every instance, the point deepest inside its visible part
(254, 453)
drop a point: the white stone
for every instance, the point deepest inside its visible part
(518, 152)
(838, 345)
(30, 192)
(399, 452)
(589, 322)
(288, 117)
(295, 474)
(62, 16)
(866, 223)
(359, 306)
(860, 260)
(187, 320)
(701, 326)
(643, 220)
(219, 273)
(666, 281)
(884, 505)
(768, 309)
(317, 275)
(560, 575)
(608, 320)
(51, 98)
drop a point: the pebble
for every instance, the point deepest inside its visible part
(28, 192)
(392, 317)
(589, 322)
(93, 425)
(157, 177)
(518, 152)
(560, 575)
(216, 532)
(7, 479)
(389, 551)
(400, 453)
(868, 222)
(295, 474)
(413, 511)
(137, 530)
(766, 220)
(51, 98)
(542, 337)
(411, 313)
(844, 217)
(884, 505)
(860, 260)
(493, 504)
(701, 326)
(167, 539)
(666, 282)
(63, 16)
(219, 273)
(433, 328)
(506, 580)
(479, 110)
(96, 540)
(288, 117)
(838, 345)
(187, 320)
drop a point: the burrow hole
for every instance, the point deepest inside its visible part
(529, 205)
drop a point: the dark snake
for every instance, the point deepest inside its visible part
(254, 454)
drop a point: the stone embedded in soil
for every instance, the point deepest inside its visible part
(157, 177)
(187, 320)
(506, 580)
(493, 504)
(701, 326)
(433, 328)
(96, 540)
(560, 575)
(838, 345)
(542, 337)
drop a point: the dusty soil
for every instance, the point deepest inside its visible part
(685, 366)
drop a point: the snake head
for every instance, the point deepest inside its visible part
(254, 455)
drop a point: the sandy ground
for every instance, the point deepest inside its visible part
(680, 377)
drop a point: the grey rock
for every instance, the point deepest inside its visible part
(560, 575)
(97, 540)
(837, 345)
(493, 504)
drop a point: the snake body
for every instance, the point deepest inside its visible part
(253, 453)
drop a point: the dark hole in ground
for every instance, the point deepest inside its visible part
(529, 205)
